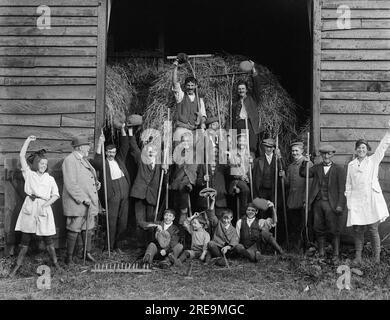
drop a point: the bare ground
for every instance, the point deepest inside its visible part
(289, 277)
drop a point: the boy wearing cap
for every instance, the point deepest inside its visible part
(239, 161)
(118, 186)
(326, 196)
(79, 196)
(225, 236)
(252, 231)
(296, 190)
(166, 240)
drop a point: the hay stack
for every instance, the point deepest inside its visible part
(119, 94)
(276, 108)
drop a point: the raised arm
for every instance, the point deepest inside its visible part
(23, 151)
(134, 149)
(124, 144)
(382, 147)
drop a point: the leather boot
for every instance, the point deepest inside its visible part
(358, 248)
(53, 256)
(336, 247)
(71, 238)
(376, 247)
(19, 261)
(89, 246)
(275, 245)
(321, 246)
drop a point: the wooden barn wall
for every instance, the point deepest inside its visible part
(352, 82)
(51, 82)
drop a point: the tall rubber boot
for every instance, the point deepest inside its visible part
(321, 246)
(336, 247)
(53, 256)
(71, 238)
(376, 247)
(19, 261)
(359, 237)
(89, 245)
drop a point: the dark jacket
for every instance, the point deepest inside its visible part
(258, 169)
(147, 181)
(120, 159)
(336, 183)
(251, 102)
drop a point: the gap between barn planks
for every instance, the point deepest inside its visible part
(355, 106)
(48, 51)
(55, 21)
(53, 106)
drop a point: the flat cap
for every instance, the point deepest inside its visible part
(134, 120)
(297, 143)
(260, 203)
(327, 148)
(210, 120)
(269, 142)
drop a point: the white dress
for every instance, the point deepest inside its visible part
(32, 219)
(365, 201)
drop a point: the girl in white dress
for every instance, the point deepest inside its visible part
(367, 207)
(36, 216)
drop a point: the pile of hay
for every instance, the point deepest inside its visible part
(137, 85)
(119, 94)
(277, 110)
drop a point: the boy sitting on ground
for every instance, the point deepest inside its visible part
(225, 236)
(166, 241)
(253, 231)
(195, 225)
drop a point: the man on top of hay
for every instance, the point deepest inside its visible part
(246, 107)
(190, 115)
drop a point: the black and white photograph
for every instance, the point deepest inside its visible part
(195, 155)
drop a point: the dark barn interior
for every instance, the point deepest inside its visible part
(274, 33)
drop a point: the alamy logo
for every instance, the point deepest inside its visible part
(44, 20)
(44, 280)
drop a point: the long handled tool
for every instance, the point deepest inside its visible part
(231, 104)
(226, 260)
(276, 184)
(249, 151)
(105, 198)
(166, 157)
(307, 189)
(159, 194)
(285, 212)
(86, 236)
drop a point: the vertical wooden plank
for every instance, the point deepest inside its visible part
(101, 68)
(316, 85)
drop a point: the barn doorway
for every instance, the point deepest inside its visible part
(274, 33)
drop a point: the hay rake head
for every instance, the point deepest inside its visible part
(122, 267)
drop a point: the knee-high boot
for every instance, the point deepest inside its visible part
(19, 261)
(52, 252)
(376, 246)
(336, 246)
(89, 246)
(321, 246)
(358, 239)
(71, 238)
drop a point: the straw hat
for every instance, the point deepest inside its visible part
(207, 192)
(246, 66)
(134, 120)
(261, 204)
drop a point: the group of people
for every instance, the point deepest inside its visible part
(208, 189)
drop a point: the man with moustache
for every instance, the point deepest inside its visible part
(79, 197)
(296, 190)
